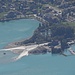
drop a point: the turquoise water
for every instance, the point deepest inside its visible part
(15, 30)
(46, 64)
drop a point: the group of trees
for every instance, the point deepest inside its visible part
(45, 33)
(62, 31)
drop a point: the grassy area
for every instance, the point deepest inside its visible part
(72, 24)
(2, 14)
(69, 23)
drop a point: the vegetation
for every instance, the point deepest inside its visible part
(57, 17)
(2, 14)
(62, 31)
(71, 24)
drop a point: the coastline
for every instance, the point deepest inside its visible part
(26, 50)
(15, 43)
(36, 50)
(17, 47)
(32, 16)
(32, 48)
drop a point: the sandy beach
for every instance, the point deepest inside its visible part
(23, 50)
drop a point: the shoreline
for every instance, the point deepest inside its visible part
(15, 43)
(29, 49)
(25, 50)
(19, 44)
(32, 16)
(36, 50)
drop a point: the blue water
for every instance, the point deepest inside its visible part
(46, 64)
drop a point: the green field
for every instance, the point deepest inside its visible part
(2, 14)
(72, 24)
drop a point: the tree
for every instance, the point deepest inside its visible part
(62, 31)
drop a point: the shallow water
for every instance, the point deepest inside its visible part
(46, 64)
(12, 31)
(16, 30)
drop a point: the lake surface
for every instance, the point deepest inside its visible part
(46, 64)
